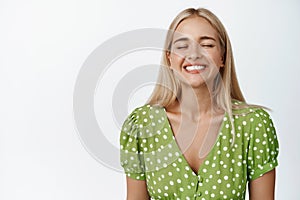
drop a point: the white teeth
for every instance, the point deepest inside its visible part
(194, 67)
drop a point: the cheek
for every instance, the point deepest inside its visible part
(176, 60)
(217, 58)
(219, 61)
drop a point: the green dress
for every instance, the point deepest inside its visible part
(149, 151)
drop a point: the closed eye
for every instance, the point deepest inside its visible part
(181, 47)
(207, 45)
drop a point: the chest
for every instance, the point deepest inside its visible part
(195, 139)
(153, 147)
(222, 172)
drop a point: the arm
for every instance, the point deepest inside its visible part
(263, 188)
(136, 189)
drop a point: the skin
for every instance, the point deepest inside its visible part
(136, 189)
(193, 46)
(193, 120)
(263, 188)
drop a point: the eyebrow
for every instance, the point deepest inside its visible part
(201, 38)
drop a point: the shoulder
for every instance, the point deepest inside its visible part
(251, 115)
(240, 108)
(257, 123)
(143, 115)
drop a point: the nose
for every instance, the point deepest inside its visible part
(195, 52)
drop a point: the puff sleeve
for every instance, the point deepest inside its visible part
(131, 159)
(263, 147)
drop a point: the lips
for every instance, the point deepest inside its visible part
(196, 68)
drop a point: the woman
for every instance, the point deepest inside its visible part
(196, 138)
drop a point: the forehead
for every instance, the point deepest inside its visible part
(195, 28)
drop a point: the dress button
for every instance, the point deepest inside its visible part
(200, 179)
(199, 194)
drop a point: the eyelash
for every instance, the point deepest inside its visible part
(204, 45)
(207, 45)
(181, 47)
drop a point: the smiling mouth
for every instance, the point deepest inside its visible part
(195, 68)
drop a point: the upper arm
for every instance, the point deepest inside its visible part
(263, 148)
(136, 189)
(262, 156)
(263, 188)
(132, 160)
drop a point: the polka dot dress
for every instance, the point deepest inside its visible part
(150, 152)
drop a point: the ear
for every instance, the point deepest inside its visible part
(223, 62)
(169, 56)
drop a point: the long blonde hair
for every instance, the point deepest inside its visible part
(226, 86)
(167, 88)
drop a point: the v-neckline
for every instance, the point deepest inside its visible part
(182, 154)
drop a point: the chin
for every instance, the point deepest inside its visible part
(195, 83)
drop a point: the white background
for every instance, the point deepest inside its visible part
(43, 45)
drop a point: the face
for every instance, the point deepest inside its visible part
(195, 52)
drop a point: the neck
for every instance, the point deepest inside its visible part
(196, 103)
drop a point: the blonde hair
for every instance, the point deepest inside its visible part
(226, 87)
